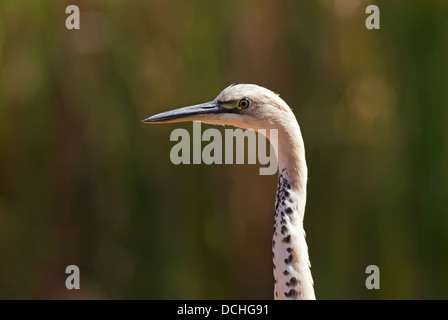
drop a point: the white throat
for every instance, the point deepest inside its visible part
(292, 274)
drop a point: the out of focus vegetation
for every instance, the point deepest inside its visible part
(83, 182)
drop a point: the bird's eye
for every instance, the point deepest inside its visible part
(243, 103)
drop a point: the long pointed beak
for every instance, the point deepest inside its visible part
(188, 113)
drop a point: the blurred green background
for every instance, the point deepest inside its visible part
(83, 182)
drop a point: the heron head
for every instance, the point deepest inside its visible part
(246, 106)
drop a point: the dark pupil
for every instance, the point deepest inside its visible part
(243, 103)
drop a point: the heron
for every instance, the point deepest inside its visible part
(249, 106)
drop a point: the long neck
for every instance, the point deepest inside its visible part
(292, 274)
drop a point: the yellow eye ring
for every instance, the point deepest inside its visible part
(244, 103)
